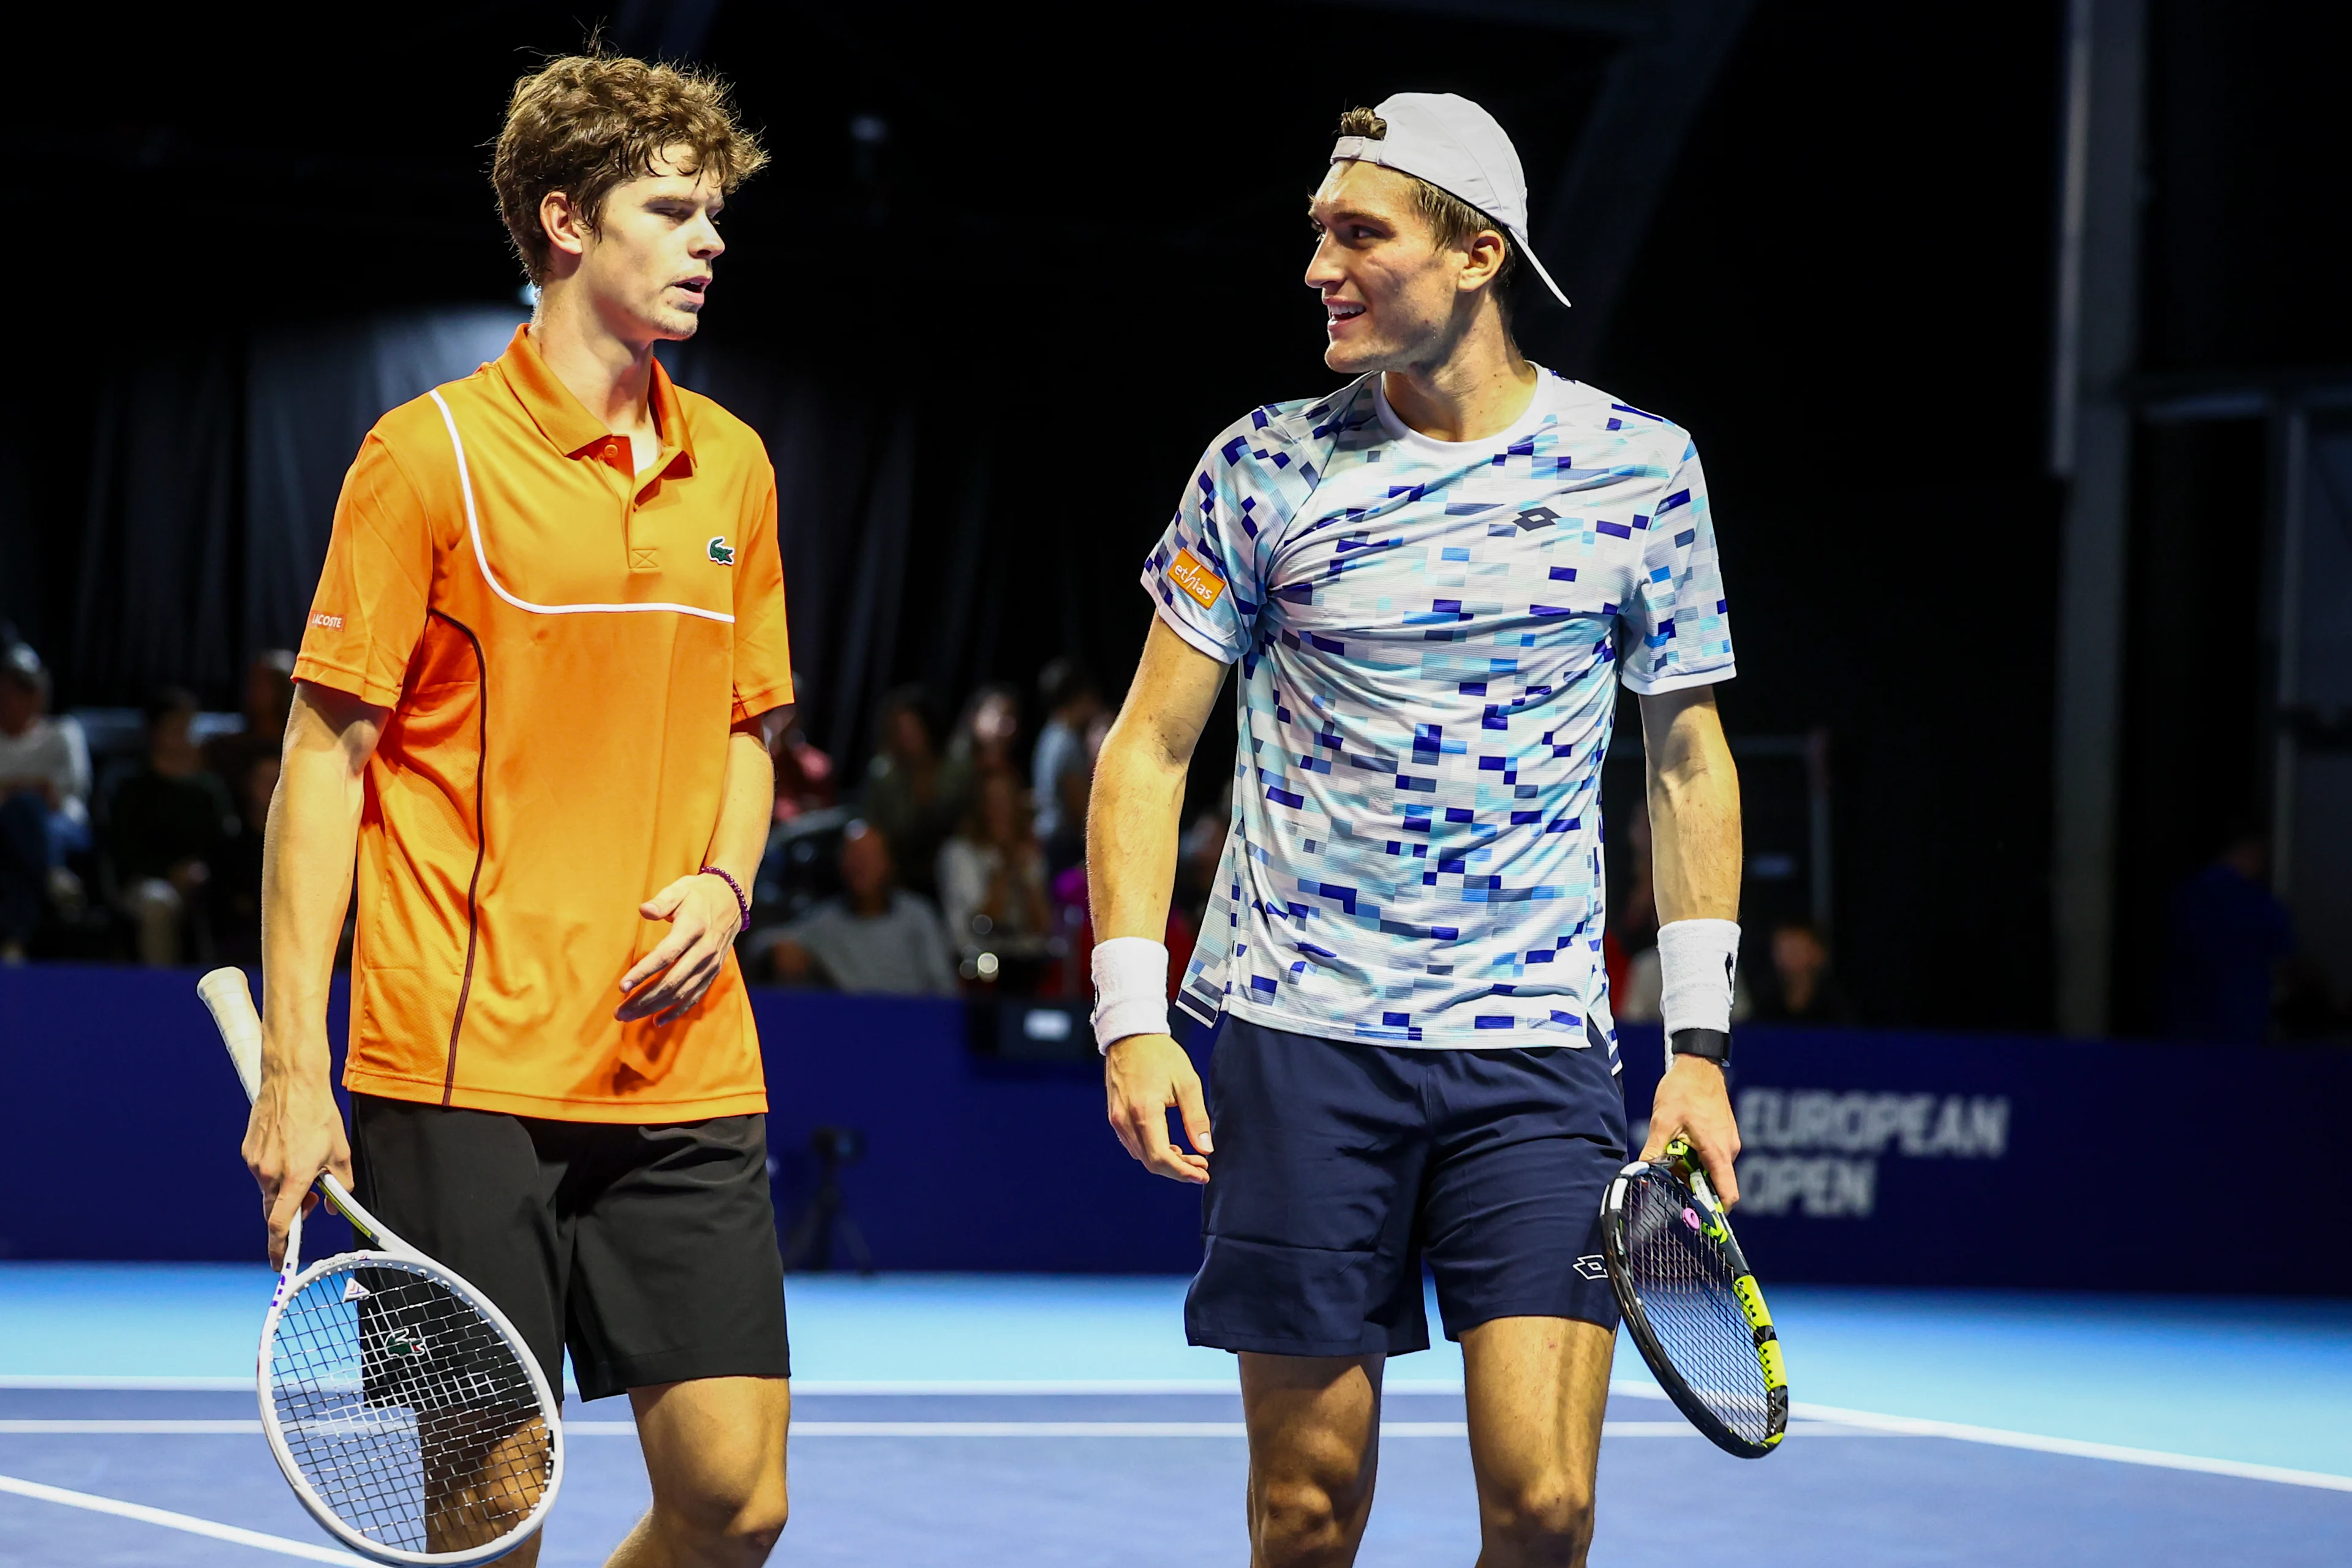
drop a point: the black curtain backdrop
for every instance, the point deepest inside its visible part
(214, 473)
(845, 456)
(163, 542)
(215, 469)
(311, 395)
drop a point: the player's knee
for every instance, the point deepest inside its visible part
(755, 1531)
(733, 1523)
(1548, 1519)
(1302, 1522)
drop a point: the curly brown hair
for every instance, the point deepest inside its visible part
(1453, 222)
(584, 123)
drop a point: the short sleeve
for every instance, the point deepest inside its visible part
(763, 648)
(73, 779)
(1677, 627)
(370, 608)
(1206, 570)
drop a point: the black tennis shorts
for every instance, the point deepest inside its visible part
(1339, 1166)
(650, 1252)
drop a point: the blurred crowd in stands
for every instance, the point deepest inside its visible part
(953, 863)
(135, 834)
(960, 865)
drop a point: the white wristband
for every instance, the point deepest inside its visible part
(1696, 960)
(1131, 989)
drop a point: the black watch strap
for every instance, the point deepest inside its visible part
(1709, 1044)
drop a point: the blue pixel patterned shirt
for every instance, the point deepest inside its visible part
(1430, 637)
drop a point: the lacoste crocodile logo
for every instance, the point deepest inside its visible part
(720, 550)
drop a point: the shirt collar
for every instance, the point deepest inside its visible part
(566, 422)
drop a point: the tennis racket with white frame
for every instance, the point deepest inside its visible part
(409, 1416)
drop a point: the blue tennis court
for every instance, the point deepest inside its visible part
(960, 1419)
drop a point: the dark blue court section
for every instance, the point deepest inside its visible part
(1174, 1502)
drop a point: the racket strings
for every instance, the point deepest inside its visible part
(1684, 1283)
(406, 1411)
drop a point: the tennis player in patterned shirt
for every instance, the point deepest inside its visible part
(1434, 581)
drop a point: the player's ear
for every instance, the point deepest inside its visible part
(560, 219)
(1484, 260)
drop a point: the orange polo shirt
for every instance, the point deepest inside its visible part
(564, 645)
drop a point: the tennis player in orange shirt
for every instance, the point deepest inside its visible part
(545, 659)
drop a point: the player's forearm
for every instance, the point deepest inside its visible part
(746, 807)
(306, 879)
(1693, 789)
(1132, 831)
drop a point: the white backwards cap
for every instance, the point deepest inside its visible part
(1455, 145)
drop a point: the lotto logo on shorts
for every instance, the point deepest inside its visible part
(1593, 1266)
(332, 623)
(1187, 572)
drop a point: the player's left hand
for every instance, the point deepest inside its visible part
(704, 919)
(1693, 1104)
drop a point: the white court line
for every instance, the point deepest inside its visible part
(1834, 1415)
(137, 1382)
(1029, 1429)
(16, 1428)
(1958, 1431)
(1082, 1385)
(170, 1520)
(1676, 1428)
(170, 1428)
(1915, 1426)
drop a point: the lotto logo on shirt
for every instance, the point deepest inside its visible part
(1188, 574)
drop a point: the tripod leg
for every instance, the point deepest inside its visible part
(812, 1232)
(854, 1240)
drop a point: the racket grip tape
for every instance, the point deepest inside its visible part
(229, 999)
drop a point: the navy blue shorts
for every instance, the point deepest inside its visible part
(1339, 1167)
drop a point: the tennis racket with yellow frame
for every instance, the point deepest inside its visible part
(1692, 1304)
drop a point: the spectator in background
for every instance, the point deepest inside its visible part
(1630, 943)
(1198, 855)
(163, 825)
(993, 873)
(907, 791)
(268, 701)
(2226, 937)
(986, 741)
(804, 775)
(1804, 989)
(233, 879)
(43, 802)
(1060, 769)
(874, 938)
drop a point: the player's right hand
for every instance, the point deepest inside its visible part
(1143, 1075)
(1693, 1104)
(296, 1130)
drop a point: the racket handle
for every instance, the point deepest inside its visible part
(230, 1001)
(293, 1264)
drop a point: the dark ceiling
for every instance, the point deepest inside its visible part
(1087, 221)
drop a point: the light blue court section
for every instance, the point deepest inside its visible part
(131, 1320)
(203, 1320)
(2267, 1382)
(2258, 1381)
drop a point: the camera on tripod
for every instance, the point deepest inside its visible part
(810, 1244)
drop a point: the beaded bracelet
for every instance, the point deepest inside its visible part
(743, 904)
